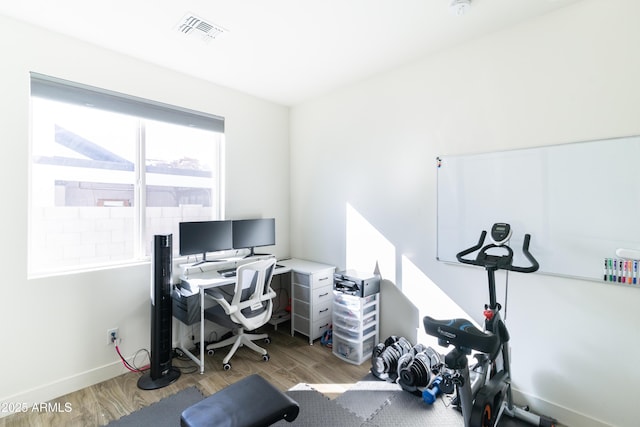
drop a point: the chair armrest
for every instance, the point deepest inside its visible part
(220, 299)
(215, 294)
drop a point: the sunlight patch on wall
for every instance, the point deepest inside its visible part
(429, 299)
(367, 248)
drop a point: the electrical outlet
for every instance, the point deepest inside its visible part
(112, 336)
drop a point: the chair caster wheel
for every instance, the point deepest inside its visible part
(267, 340)
(211, 352)
(226, 366)
(265, 357)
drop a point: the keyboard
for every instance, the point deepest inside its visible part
(231, 272)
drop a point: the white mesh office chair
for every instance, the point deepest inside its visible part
(249, 308)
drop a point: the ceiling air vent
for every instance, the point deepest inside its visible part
(195, 26)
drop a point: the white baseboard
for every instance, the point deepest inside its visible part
(564, 416)
(55, 389)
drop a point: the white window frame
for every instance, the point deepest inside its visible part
(69, 92)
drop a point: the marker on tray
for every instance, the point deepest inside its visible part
(619, 271)
(610, 270)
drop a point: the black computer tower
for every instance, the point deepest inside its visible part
(161, 372)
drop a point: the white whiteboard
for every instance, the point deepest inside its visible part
(580, 202)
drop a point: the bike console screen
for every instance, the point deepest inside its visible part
(500, 233)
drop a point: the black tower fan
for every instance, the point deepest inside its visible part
(161, 373)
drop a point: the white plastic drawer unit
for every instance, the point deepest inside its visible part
(355, 314)
(352, 323)
(352, 301)
(355, 326)
(353, 334)
(350, 306)
(312, 301)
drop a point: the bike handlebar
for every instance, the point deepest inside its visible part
(484, 260)
(471, 249)
(525, 250)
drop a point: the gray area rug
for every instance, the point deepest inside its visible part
(406, 409)
(384, 404)
(165, 412)
(369, 396)
(318, 410)
(368, 403)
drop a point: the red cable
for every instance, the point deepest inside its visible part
(127, 365)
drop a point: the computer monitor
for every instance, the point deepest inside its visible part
(252, 233)
(200, 237)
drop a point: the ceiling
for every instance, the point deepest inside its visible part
(285, 51)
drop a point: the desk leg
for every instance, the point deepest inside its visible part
(186, 351)
(198, 361)
(202, 346)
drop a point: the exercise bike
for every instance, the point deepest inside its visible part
(483, 392)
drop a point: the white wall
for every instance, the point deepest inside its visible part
(54, 329)
(363, 182)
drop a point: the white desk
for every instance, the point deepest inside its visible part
(206, 276)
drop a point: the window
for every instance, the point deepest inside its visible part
(108, 171)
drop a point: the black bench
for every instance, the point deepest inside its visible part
(250, 402)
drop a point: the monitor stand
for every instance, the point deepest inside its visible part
(253, 253)
(205, 260)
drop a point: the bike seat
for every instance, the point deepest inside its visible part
(462, 333)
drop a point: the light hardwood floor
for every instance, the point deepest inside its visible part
(292, 361)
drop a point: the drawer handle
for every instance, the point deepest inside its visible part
(323, 278)
(323, 326)
(324, 295)
(322, 311)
